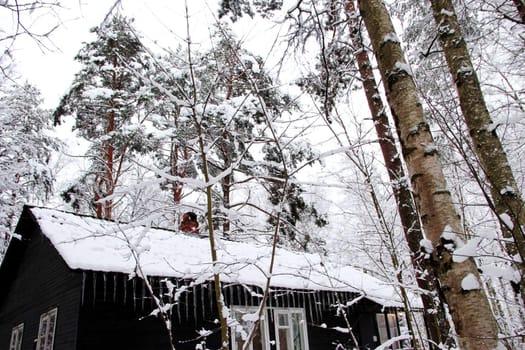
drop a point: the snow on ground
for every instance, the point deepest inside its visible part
(91, 244)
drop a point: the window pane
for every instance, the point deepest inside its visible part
(284, 335)
(241, 331)
(297, 330)
(16, 337)
(381, 327)
(46, 330)
(283, 320)
(392, 326)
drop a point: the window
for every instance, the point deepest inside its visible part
(288, 327)
(16, 337)
(240, 332)
(387, 327)
(46, 330)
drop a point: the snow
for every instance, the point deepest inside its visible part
(426, 244)
(90, 244)
(507, 190)
(98, 93)
(506, 120)
(468, 250)
(506, 219)
(505, 272)
(391, 37)
(390, 342)
(447, 13)
(470, 282)
(403, 67)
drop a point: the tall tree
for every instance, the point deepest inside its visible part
(459, 281)
(104, 98)
(436, 321)
(507, 198)
(25, 151)
(341, 46)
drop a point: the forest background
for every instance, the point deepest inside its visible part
(293, 148)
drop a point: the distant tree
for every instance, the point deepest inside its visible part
(25, 152)
(238, 92)
(300, 219)
(105, 99)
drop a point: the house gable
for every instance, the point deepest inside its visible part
(35, 279)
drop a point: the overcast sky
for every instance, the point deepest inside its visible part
(162, 23)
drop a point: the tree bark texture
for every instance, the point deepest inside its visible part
(470, 310)
(504, 189)
(520, 6)
(426, 278)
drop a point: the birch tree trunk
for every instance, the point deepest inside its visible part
(470, 310)
(508, 202)
(426, 278)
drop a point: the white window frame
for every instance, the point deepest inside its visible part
(263, 326)
(16, 337)
(303, 330)
(46, 330)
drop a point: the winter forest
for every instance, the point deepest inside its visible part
(383, 135)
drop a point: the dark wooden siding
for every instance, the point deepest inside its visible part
(115, 311)
(37, 281)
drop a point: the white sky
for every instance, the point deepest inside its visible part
(161, 23)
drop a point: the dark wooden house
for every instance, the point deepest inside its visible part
(72, 282)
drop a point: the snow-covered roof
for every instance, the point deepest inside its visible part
(88, 243)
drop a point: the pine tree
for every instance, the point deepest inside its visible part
(25, 152)
(105, 99)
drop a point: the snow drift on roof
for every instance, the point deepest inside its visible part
(91, 244)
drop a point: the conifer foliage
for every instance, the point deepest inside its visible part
(105, 98)
(25, 152)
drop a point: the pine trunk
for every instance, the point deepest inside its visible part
(427, 280)
(520, 6)
(469, 307)
(506, 196)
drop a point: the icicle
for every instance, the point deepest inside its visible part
(134, 294)
(177, 302)
(94, 287)
(83, 286)
(245, 295)
(186, 304)
(288, 298)
(231, 292)
(277, 299)
(194, 291)
(114, 287)
(317, 298)
(339, 298)
(203, 301)
(161, 292)
(104, 278)
(125, 285)
(211, 294)
(311, 310)
(143, 292)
